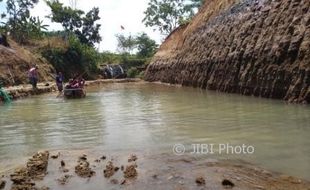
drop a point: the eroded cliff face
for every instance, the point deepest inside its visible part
(15, 63)
(252, 47)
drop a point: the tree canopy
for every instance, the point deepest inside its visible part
(166, 15)
(125, 44)
(21, 25)
(142, 43)
(145, 45)
(77, 22)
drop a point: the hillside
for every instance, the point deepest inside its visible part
(17, 60)
(250, 47)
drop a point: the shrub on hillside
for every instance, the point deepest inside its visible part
(78, 58)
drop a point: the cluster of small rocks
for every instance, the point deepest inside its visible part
(35, 169)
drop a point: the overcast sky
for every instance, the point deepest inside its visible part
(113, 13)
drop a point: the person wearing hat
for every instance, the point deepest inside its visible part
(33, 76)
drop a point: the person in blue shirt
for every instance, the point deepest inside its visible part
(59, 81)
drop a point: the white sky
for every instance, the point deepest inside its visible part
(113, 13)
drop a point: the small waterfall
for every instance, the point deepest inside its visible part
(114, 71)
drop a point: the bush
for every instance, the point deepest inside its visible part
(78, 58)
(132, 72)
(141, 75)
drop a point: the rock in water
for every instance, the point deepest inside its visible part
(110, 170)
(2, 184)
(83, 157)
(103, 157)
(54, 156)
(35, 170)
(37, 165)
(83, 169)
(228, 183)
(64, 180)
(132, 158)
(114, 181)
(130, 171)
(62, 163)
(200, 181)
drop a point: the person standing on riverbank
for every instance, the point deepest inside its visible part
(33, 76)
(59, 82)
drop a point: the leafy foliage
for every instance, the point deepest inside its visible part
(20, 24)
(166, 15)
(77, 22)
(76, 59)
(132, 72)
(90, 31)
(125, 44)
(69, 18)
(145, 45)
(142, 43)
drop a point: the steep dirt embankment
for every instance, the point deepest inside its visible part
(15, 63)
(252, 47)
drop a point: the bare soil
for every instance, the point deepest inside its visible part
(160, 171)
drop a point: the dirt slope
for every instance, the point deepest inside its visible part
(251, 47)
(16, 61)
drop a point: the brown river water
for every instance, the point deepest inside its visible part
(153, 118)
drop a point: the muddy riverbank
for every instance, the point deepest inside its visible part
(22, 91)
(94, 170)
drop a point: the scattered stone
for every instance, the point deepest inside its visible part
(97, 160)
(2, 184)
(116, 169)
(155, 176)
(122, 168)
(62, 163)
(114, 181)
(21, 180)
(83, 157)
(130, 171)
(55, 156)
(103, 157)
(65, 170)
(123, 182)
(64, 180)
(35, 169)
(109, 170)
(200, 181)
(132, 158)
(37, 165)
(83, 169)
(228, 183)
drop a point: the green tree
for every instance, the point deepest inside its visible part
(77, 22)
(166, 15)
(89, 34)
(21, 25)
(126, 44)
(145, 45)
